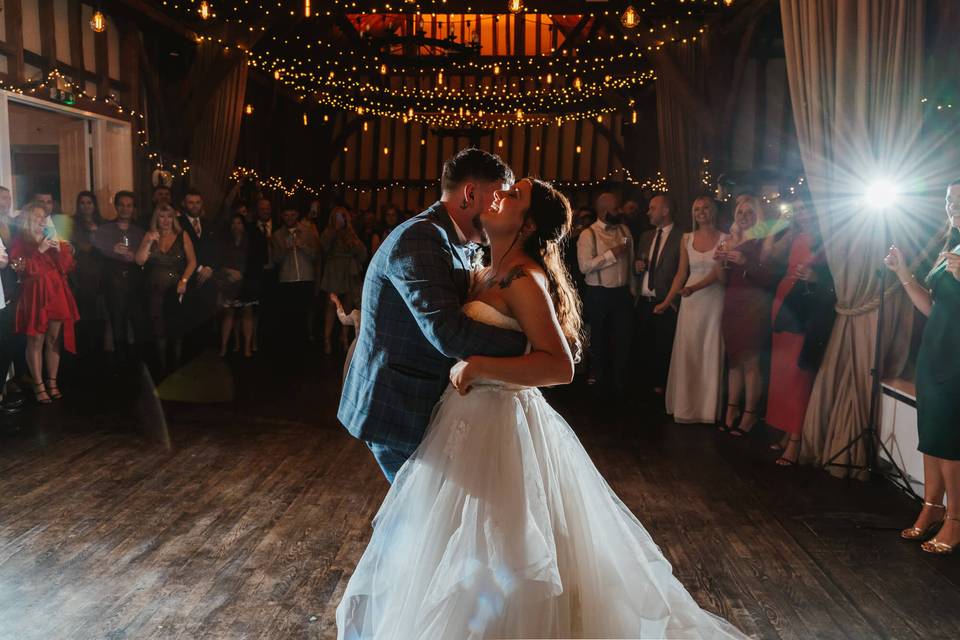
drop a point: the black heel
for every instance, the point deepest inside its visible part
(722, 425)
(737, 432)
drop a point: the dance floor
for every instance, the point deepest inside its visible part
(245, 519)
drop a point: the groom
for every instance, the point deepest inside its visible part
(413, 328)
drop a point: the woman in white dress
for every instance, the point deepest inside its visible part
(499, 525)
(695, 381)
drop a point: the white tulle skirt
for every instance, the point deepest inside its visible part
(500, 526)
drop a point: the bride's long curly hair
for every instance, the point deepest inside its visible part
(550, 211)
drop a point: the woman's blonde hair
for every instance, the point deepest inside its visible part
(155, 218)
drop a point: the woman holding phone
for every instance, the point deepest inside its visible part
(46, 307)
(938, 379)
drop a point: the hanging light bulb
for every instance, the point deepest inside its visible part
(579, 149)
(249, 110)
(326, 118)
(496, 69)
(600, 119)
(410, 112)
(633, 117)
(422, 142)
(305, 122)
(577, 83)
(629, 18)
(519, 114)
(549, 78)
(276, 74)
(386, 151)
(728, 2)
(500, 143)
(365, 126)
(440, 77)
(306, 8)
(515, 6)
(98, 22)
(205, 10)
(383, 69)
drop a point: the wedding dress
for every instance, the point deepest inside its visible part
(500, 526)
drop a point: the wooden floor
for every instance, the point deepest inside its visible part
(249, 524)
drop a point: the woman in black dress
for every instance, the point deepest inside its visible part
(167, 255)
(938, 383)
(85, 278)
(234, 252)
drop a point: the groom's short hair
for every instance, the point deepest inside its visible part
(476, 165)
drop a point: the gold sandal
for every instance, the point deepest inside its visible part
(916, 533)
(938, 548)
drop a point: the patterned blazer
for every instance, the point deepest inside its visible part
(412, 331)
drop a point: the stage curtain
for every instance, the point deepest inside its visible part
(213, 147)
(855, 71)
(681, 136)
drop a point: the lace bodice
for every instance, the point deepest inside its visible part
(487, 314)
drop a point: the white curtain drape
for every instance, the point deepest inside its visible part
(855, 71)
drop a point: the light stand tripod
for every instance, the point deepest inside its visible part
(871, 433)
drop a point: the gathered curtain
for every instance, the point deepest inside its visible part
(682, 141)
(213, 147)
(855, 72)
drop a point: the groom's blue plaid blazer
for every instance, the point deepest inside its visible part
(412, 331)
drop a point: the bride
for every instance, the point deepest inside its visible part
(499, 525)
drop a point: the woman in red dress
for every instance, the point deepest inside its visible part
(750, 272)
(802, 317)
(46, 306)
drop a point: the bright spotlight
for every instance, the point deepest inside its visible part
(881, 193)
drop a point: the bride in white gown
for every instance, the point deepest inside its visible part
(500, 526)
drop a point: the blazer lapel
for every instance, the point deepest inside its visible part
(462, 272)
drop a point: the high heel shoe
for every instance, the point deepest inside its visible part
(784, 461)
(916, 533)
(737, 432)
(723, 427)
(40, 393)
(52, 389)
(938, 548)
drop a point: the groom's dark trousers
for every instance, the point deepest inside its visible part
(412, 331)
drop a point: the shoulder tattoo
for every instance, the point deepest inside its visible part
(514, 274)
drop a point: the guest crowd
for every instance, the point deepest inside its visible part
(711, 317)
(131, 286)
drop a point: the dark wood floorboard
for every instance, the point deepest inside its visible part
(249, 523)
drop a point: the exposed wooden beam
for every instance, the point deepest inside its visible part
(48, 34)
(14, 20)
(75, 32)
(142, 10)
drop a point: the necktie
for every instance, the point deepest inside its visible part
(196, 225)
(652, 269)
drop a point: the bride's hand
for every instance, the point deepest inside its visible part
(462, 376)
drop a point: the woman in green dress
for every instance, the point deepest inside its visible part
(938, 386)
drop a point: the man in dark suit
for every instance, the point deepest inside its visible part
(657, 260)
(413, 327)
(202, 302)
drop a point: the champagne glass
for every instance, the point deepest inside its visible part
(722, 248)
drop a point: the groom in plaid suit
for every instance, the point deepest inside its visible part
(413, 328)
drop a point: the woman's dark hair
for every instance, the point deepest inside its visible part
(474, 164)
(551, 213)
(96, 206)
